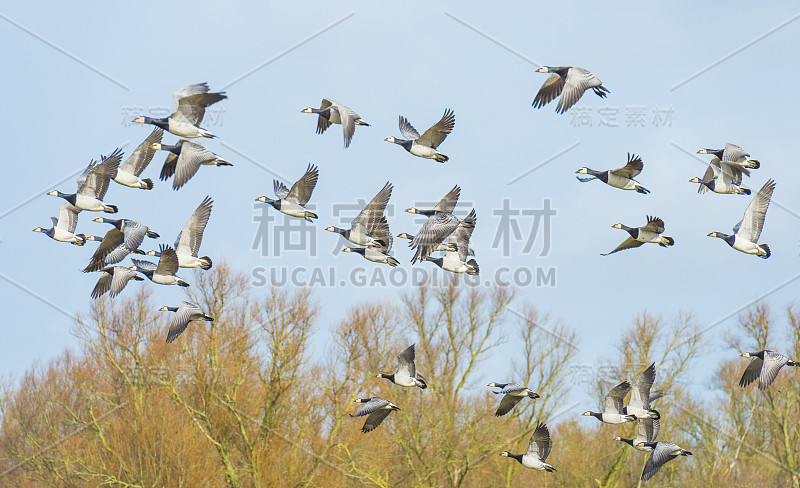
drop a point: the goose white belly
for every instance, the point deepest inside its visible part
(189, 261)
(165, 279)
(358, 236)
(745, 246)
(452, 263)
(129, 180)
(724, 187)
(614, 418)
(532, 462)
(423, 151)
(65, 236)
(91, 204)
(372, 254)
(647, 236)
(183, 128)
(621, 182)
(292, 209)
(334, 117)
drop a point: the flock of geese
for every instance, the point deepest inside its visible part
(443, 233)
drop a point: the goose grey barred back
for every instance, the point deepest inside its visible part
(184, 159)
(363, 227)
(639, 404)
(747, 232)
(184, 313)
(63, 229)
(112, 249)
(722, 177)
(450, 245)
(113, 279)
(425, 146)
(133, 232)
(129, 171)
(292, 201)
(93, 184)
(456, 261)
(764, 367)
(538, 449)
(734, 154)
(569, 83)
(651, 232)
(380, 252)
(406, 374)
(663, 452)
(376, 409)
(331, 112)
(618, 178)
(187, 115)
(162, 273)
(646, 432)
(187, 244)
(512, 394)
(613, 408)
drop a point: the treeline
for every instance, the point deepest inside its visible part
(245, 402)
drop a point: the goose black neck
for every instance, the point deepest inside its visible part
(162, 123)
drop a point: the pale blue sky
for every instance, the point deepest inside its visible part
(413, 59)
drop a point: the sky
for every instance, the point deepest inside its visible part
(681, 76)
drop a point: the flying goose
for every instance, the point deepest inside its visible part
(613, 410)
(748, 230)
(379, 253)
(377, 410)
(639, 404)
(663, 452)
(164, 272)
(292, 202)
(190, 108)
(734, 154)
(363, 226)
(185, 313)
(646, 432)
(114, 278)
(93, 184)
(63, 229)
(133, 232)
(425, 146)
(184, 159)
(764, 366)
(569, 82)
(538, 449)
(456, 262)
(651, 232)
(331, 112)
(406, 374)
(112, 249)
(187, 245)
(440, 224)
(722, 177)
(618, 178)
(513, 393)
(129, 171)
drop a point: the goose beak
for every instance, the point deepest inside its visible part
(617, 226)
(163, 309)
(542, 69)
(411, 210)
(504, 454)
(702, 151)
(347, 249)
(389, 139)
(262, 199)
(53, 193)
(38, 229)
(306, 110)
(98, 219)
(139, 120)
(745, 354)
(712, 234)
(695, 180)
